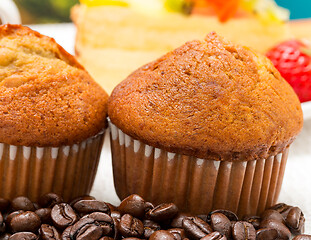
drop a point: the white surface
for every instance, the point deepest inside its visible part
(296, 188)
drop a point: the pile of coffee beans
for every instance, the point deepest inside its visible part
(87, 218)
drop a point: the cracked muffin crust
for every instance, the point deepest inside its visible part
(46, 96)
(210, 99)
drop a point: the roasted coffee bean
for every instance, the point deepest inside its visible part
(63, 215)
(25, 222)
(150, 227)
(178, 233)
(196, 228)
(162, 235)
(104, 221)
(230, 215)
(112, 207)
(109, 238)
(77, 199)
(66, 233)
(281, 208)
(76, 228)
(4, 205)
(295, 220)
(243, 231)
(49, 200)
(214, 236)
(23, 236)
(115, 214)
(22, 203)
(90, 231)
(48, 232)
(88, 206)
(267, 234)
(5, 236)
(221, 224)
(162, 212)
(131, 226)
(283, 231)
(116, 227)
(177, 220)
(254, 220)
(2, 224)
(45, 215)
(9, 217)
(302, 237)
(273, 215)
(131, 238)
(133, 205)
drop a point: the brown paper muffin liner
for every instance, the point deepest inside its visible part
(33, 171)
(195, 185)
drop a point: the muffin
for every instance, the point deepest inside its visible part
(206, 126)
(52, 118)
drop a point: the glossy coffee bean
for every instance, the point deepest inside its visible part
(88, 206)
(214, 236)
(178, 233)
(273, 215)
(254, 220)
(104, 221)
(115, 214)
(282, 208)
(22, 203)
(48, 232)
(162, 212)
(196, 228)
(133, 205)
(131, 226)
(45, 215)
(66, 233)
(295, 220)
(267, 234)
(242, 230)
(9, 217)
(77, 199)
(49, 200)
(162, 235)
(63, 215)
(90, 231)
(282, 230)
(23, 236)
(25, 222)
(79, 226)
(109, 238)
(302, 237)
(5, 236)
(177, 220)
(221, 224)
(150, 227)
(2, 224)
(230, 215)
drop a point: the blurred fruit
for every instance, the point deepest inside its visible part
(293, 60)
(47, 10)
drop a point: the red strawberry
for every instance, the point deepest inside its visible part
(293, 60)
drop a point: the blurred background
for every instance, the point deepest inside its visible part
(54, 11)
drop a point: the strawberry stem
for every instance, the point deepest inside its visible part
(306, 51)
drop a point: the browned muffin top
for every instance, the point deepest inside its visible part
(211, 99)
(46, 96)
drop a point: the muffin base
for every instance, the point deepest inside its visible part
(195, 185)
(33, 171)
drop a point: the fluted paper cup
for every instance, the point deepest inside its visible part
(34, 171)
(195, 185)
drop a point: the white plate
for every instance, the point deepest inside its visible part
(306, 108)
